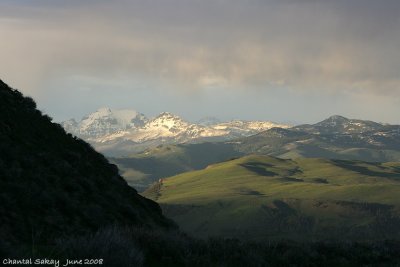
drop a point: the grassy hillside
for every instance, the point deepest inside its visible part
(54, 185)
(141, 170)
(267, 198)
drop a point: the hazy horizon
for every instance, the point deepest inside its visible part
(284, 61)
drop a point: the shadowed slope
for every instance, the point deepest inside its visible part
(53, 184)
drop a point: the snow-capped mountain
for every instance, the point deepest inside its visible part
(166, 127)
(339, 124)
(118, 132)
(105, 121)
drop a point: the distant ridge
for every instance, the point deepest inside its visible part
(336, 137)
(340, 124)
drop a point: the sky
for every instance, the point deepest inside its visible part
(294, 61)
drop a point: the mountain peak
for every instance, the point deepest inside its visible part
(106, 121)
(167, 114)
(337, 118)
(168, 119)
(333, 121)
(104, 110)
(340, 124)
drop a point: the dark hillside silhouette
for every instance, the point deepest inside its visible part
(53, 185)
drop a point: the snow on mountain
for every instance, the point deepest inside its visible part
(108, 129)
(239, 128)
(208, 121)
(104, 122)
(340, 124)
(165, 126)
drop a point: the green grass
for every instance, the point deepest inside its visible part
(141, 170)
(262, 197)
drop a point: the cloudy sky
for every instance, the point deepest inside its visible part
(281, 60)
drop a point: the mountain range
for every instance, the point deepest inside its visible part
(336, 137)
(123, 132)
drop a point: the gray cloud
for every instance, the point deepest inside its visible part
(345, 46)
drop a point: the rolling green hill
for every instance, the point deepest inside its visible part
(141, 170)
(266, 198)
